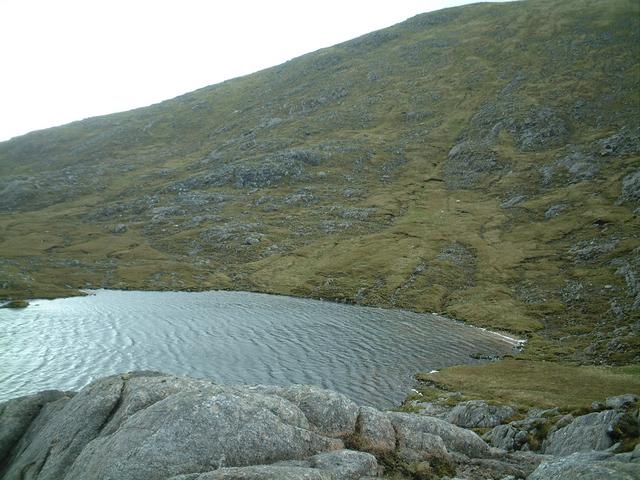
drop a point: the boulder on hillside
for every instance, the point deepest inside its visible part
(622, 401)
(479, 414)
(506, 437)
(416, 432)
(587, 432)
(587, 466)
(374, 432)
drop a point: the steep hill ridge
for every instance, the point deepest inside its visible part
(481, 162)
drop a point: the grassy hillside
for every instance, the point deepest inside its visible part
(482, 162)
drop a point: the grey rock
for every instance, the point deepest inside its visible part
(230, 232)
(142, 389)
(332, 226)
(504, 466)
(460, 255)
(270, 122)
(629, 268)
(265, 171)
(303, 196)
(150, 425)
(624, 142)
(50, 453)
(252, 240)
(479, 414)
(572, 292)
(260, 472)
(547, 175)
(346, 464)
(580, 166)
(591, 249)
(506, 437)
(329, 413)
(586, 466)
(541, 129)
(421, 447)
(513, 201)
(562, 422)
(162, 214)
(17, 193)
(584, 433)
(197, 200)
(467, 163)
(16, 416)
(413, 430)
(632, 456)
(353, 213)
(622, 401)
(118, 228)
(374, 432)
(630, 188)
(190, 432)
(555, 210)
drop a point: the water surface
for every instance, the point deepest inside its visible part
(369, 354)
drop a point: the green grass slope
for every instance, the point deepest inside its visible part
(481, 162)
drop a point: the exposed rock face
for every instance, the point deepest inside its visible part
(152, 426)
(542, 128)
(506, 437)
(588, 432)
(467, 163)
(588, 466)
(477, 413)
(329, 413)
(204, 430)
(622, 401)
(18, 413)
(416, 432)
(346, 463)
(375, 432)
(149, 426)
(630, 188)
(260, 472)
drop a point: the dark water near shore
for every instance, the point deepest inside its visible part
(368, 354)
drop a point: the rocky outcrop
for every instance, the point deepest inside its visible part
(328, 413)
(18, 414)
(589, 466)
(421, 433)
(479, 414)
(374, 432)
(585, 433)
(467, 163)
(148, 425)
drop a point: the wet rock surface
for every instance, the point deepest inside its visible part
(149, 425)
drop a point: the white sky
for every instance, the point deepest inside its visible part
(64, 60)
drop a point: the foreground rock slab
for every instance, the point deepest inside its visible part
(153, 426)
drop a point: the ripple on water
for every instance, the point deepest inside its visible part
(369, 354)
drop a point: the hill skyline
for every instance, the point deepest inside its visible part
(76, 60)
